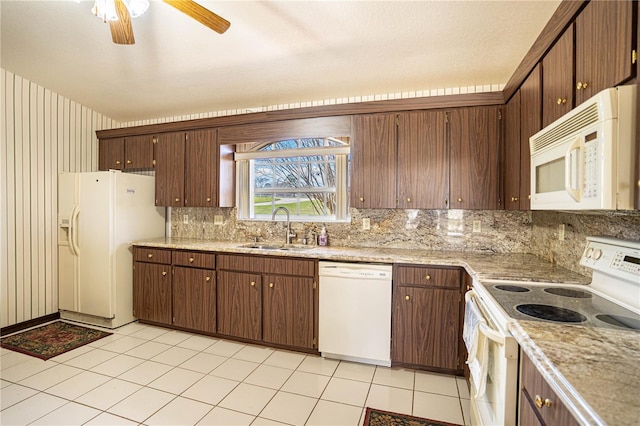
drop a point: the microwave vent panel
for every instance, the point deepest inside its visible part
(566, 127)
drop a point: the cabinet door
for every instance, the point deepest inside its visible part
(557, 79)
(373, 161)
(170, 169)
(604, 37)
(111, 154)
(152, 292)
(288, 311)
(239, 305)
(474, 138)
(425, 327)
(138, 152)
(201, 169)
(194, 299)
(423, 172)
(530, 124)
(512, 154)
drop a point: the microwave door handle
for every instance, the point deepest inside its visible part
(570, 171)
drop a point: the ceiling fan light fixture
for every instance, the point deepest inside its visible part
(105, 10)
(136, 7)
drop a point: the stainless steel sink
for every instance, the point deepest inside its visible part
(288, 247)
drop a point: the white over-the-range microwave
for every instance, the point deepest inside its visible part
(585, 160)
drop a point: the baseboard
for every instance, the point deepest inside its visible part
(10, 329)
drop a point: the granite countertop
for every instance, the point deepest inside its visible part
(594, 371)
(481, 266)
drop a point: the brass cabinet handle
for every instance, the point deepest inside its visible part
(459, 200)
(128, 161)
(208, 199)
(270, 285)
(207, 279)
(191, 259)
(253, 283)
(407, 297)
(177, 199)
(561, 101)
(514, 198)
(581, 85)
(164, 273)
(361, 198)
(150, 255)
(540, 402)
(427, 277)
(408, 200)
(117, 161)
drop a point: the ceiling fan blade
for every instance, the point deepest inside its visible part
(122, 30)
(201, 14)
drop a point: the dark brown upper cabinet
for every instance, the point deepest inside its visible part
(190, 170)
(604, 46)
(474, 158)
(373, 161)
(128, 153)
(423, 172)
(557, 79)
(511, 176)
(530, 124)
(170, 153)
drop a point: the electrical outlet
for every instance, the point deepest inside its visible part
(477, 226)
(561, 232)
(185, 219)
(366, 224)
(218, 219)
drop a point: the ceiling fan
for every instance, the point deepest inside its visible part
(119, 13)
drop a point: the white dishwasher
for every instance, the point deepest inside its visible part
(355, 312)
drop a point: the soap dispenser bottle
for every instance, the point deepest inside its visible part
(323, 239)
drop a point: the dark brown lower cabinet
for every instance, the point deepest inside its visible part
(539, 405)
(194, 299)
(239, 305)
(287, 311)
(425, 318)
(152, 292)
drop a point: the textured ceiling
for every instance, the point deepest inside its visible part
(275, 51)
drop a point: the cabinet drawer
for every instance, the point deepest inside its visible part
(145, 254)
(429, 276)
(196, 259)
(548, 406)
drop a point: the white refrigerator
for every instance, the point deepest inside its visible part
(99, 215)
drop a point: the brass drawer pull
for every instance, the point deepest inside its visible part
(208, 199)
(253, 283)
(540, 402)
(150, 255)
(191, 259)
(207, 279)
(164, 273)
(459, 200)
(118, 162)
(270, 285)
(407, 298)
(561, 101)
(177, 199)
(427, 277)
(128, 161)
(361, 199)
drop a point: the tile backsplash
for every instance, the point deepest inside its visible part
(500, 231)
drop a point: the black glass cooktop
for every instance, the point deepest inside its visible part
(575, 304)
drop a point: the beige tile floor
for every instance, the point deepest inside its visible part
(155, 376)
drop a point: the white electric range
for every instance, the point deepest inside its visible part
(612, 300)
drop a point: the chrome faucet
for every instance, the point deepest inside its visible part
(289, 234)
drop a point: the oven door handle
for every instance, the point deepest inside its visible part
(483, 325)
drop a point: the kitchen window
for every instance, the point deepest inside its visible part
(308, 176)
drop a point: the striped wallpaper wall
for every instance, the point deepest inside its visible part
(42, 134)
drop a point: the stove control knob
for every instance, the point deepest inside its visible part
(597, 254)
(588, 253)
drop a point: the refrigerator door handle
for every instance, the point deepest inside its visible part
(73, 233)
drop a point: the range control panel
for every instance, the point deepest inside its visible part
(620, 258)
